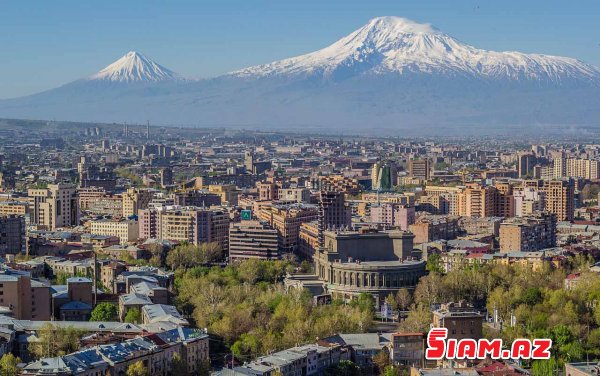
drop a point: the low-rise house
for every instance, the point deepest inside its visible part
(153, 313)
(132, 301)
(363, 346)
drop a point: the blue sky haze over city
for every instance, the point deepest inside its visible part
(47, 44)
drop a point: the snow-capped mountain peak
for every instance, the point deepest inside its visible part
(135, 67)
(400, 46)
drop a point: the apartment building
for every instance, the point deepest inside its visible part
(430, 228)
(126, 230)
(185, 223)
(394, 215)
(461, 319)
(24, 298)
(136, 199)
(14, 207)
(560, 198)
(576, 168)
(528, 234)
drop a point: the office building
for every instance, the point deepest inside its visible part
(54, 207)
(12, 234)
(286, 219)
(253, 240)
(384, 176)
(419, 169)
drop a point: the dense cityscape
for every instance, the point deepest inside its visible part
(132, 249)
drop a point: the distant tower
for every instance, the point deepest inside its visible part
(126, 131)
(148, 130)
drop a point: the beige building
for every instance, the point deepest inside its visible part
(286, 219)
(136, 199)
(126, 230)
(308, 239)
(185, 223)
(560, 199)
(227, 192)
(528, 234)
(443, 200)
(355, 262)
(54, 207)
(14, 207)
(294, 194)
(576, 168)
(430, 228)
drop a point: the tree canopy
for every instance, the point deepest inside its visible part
(104, 312)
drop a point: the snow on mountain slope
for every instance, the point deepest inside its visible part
(392, 73)
(398, 45)
(135, 67)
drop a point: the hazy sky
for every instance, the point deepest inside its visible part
(44, 44)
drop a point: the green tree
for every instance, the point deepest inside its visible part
(104, 312)
(137, 369)
(8, 365)
(55, 341)
(417, 321)
(544, 367)
(133, 316)
(187, 255)
(434, 263)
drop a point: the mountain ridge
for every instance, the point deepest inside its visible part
(392, 72)
(398, 45)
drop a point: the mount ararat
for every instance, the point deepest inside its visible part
(392, 73)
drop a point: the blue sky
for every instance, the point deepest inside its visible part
(44, 44)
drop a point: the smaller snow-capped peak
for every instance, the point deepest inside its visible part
(135, 67)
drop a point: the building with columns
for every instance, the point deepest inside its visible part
(367, 261)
